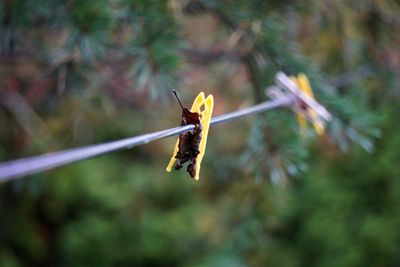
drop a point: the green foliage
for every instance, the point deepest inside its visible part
(89, 16)
(349, 221)
(92, 71)
(155, 48)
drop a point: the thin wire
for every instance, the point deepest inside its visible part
(22, 167)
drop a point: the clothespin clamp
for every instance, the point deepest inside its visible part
(204, 107)
(304, 105)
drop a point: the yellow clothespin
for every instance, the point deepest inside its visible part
(204, 107)
(304, 104)
(303, 83)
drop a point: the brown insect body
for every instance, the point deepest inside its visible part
(189, 141)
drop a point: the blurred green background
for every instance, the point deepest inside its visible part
(75, 73)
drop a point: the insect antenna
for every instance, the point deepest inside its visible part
(176, 95)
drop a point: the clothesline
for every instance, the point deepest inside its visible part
(26, 166)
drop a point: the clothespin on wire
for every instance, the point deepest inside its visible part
(294, 92)
(304, 104)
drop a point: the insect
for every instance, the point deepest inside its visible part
(191, 145)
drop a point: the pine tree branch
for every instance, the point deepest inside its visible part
(351, 77)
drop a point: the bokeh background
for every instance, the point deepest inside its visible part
(75, 73)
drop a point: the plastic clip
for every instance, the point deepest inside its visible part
(304, 104)
(204, 107)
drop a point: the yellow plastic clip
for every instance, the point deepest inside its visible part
(303, 83)
(204, 107)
